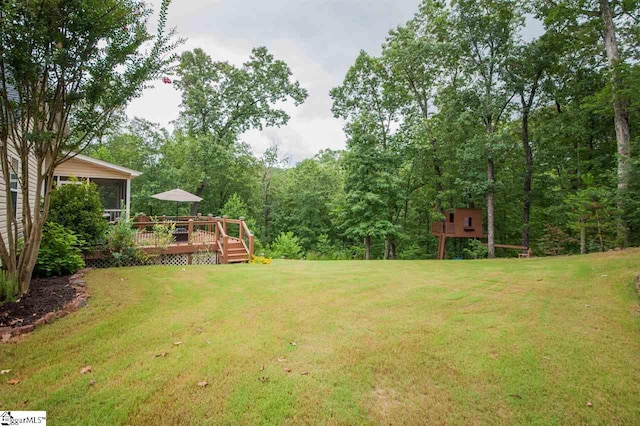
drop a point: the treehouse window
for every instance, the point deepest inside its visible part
(468, 224)
(451, 217)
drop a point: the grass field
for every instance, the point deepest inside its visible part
(415, 342)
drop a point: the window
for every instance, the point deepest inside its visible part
(468, 223)
(450, 217)
(14, 185)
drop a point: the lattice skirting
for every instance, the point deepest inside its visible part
(164, 259)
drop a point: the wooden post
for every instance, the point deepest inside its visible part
(225, 256)
(241, 230)
(224, 224)
(251, 238)
(190, 234)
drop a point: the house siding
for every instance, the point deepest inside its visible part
(83, 169)
(3, 198)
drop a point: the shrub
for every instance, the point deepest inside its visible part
(121, 243)
(287, 245)
(555, 241)
(60, 252)
(475, 250)
(327, 251)
(8, 287)
(162, 236)
(78, 207)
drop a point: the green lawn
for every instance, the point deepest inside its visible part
(415, 342)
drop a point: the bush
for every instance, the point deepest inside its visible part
(60, 252)
(121, 243)
(475, 250)
(327, 251)
(287, 245)
(8, 287)
(78, 207)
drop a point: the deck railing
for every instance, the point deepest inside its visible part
(202, 232)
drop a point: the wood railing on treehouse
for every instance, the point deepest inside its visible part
(231, 239)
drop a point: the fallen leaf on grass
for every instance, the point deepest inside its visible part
(203, 384)
(304, 373)
(86, 370)
(92, 382)
(177, 343)
(589, 404)
(162, 354)
(24, 403)
(13, 382)
(293, 343)
(199, 330)
(262, 368)
(5, 371)
(516, 396)
(263, 379)
(286, 370)
(282, 360)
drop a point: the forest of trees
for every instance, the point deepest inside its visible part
(463, 108)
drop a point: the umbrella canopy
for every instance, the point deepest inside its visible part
(177, 195)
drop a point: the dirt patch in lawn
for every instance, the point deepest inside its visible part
(45, 295)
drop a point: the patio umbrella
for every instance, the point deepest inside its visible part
(179, 196)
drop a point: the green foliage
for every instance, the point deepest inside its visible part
(449, 95)
(74, 65)
(286, 245)
(60, 252)
(121, 244)
(555, 242)
(78, 208)
(593, 214)
(8, 287)
(475, 250)
(163, 234)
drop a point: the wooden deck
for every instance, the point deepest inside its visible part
(231, 239)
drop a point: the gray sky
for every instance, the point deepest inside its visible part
(319, 39)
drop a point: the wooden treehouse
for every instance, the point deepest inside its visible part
(465, 223)
(458, 223)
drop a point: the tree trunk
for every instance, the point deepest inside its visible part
(367, 248)
(196, 206)
(528, 174)
(583, 238)
(438, 171)
(491, 210)
(393, 250)
(387, 249)
(621, 115)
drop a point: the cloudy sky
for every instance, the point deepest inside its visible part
(319, 39)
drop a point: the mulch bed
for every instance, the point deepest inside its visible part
(45, 295)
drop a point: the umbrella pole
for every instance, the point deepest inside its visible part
(177, 218)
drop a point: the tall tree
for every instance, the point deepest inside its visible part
(270, 161)
(371, 103)
(487, 32)
(421, 60)
(526, 70)
(221, 101)
(604, 17)
(66, 68)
